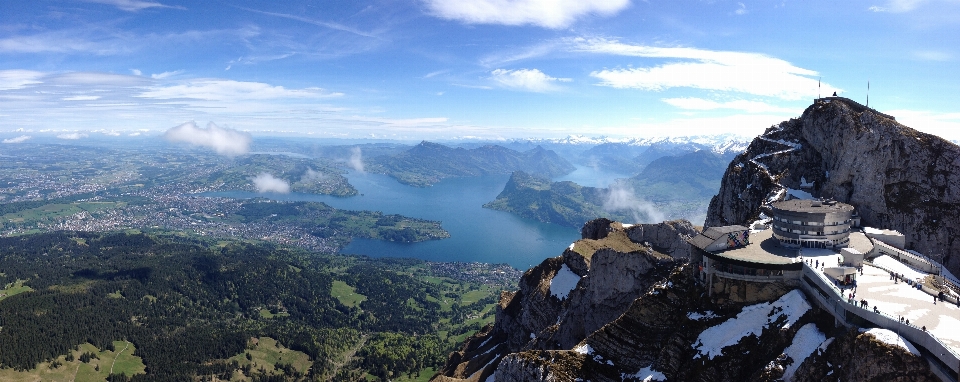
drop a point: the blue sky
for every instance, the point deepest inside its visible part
(441, 69)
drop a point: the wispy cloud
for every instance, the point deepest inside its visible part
(552, 14)
(20, 139)
(132, 5)
(623, 199)
(525, 53)
(356, 159)
(532, 80)
(81, 98)
(436, 73)
(224, 90)
(223, 140)
(320, 23)
(742, 10)
(160, 76)
(55, 42)
(72, 136)
(692, 103)
(744, 72)
(17, 79)
(897, 6)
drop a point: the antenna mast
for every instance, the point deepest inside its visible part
(868, 94)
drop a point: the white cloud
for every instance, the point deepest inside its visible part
(265, 182)
(96, 79)
(81, 98)
(356, 159)
(897, 6)
(132, 5)
(751, 73)
(229, 90)
(623, 199)
(742, 10)
(160, 76)
(222, 140)
(692, 103)
(532, 80)
(17, 79)
(545, 13)
(136, 72)
(20, 139)
(72, 136)
(53, 42)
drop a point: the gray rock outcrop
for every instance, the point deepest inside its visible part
(895, 176)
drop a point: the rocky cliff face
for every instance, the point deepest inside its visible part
(895, 176)
(622, 304)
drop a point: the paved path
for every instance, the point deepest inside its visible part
(900, 299)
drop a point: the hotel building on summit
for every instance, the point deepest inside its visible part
(804, 223)
(775, 252)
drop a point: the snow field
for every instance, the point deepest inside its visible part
(751, 320)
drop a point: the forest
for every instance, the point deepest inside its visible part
(189, 304)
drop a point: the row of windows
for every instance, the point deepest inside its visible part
(815, 233)
(798, 222)
(814, 243)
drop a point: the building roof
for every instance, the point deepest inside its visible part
(860, 242)
(763, 248)
(811, 206)
(701, 241)
(718, 232)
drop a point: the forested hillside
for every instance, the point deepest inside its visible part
(189, 305)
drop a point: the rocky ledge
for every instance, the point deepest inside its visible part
(622, 304)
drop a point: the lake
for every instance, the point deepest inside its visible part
(477, 234)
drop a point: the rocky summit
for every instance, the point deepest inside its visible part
(622, 304)
(895, 177)
(629, 303)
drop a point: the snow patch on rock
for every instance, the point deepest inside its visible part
(807, 339)
(583, 349)
(750, 321)
(647, 374)
(563, 282)
(891, 338)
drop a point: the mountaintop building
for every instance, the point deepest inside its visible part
(804, 223)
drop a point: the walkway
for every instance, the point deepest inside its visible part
(900, 299)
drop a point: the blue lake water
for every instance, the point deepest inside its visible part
(477, 234)
(592, 177)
